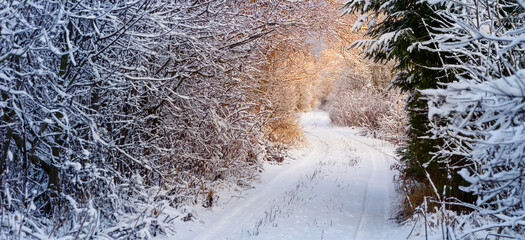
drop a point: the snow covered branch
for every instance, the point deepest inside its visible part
(484, 110)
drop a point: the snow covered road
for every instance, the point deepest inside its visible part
(338, 187)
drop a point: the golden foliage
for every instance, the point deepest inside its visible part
(303, 66)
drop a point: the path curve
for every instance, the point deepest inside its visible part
(338, 187)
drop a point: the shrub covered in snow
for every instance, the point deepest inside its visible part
(353, 102)
(482, 115)
(113, 111)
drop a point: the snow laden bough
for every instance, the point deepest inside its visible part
(487, 126)
(481, 117)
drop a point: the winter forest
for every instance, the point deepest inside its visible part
(141, 119)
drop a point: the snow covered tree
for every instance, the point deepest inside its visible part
(484, 110)
(397, 30)
(291, 78)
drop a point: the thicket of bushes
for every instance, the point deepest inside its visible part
(113, 111)
(359, 102)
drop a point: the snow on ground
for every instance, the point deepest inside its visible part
(338, 187)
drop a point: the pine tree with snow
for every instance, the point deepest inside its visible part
(397, 29)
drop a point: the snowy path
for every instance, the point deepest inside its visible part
(340, 187)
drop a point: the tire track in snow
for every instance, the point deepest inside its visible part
(363, 207)
(367, 207)
(364, 203)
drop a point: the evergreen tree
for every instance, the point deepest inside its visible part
(397, 29)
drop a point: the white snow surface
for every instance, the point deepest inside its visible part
(337, 187)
